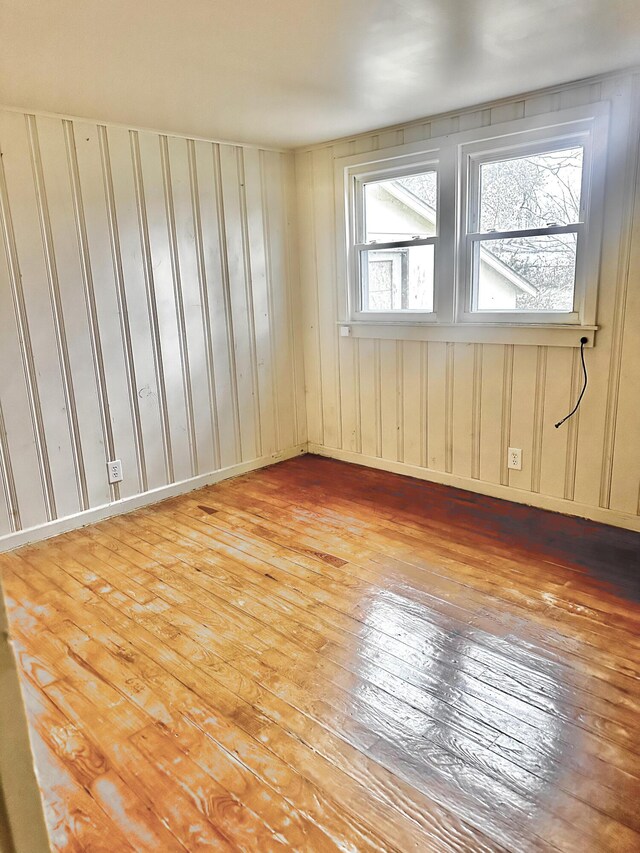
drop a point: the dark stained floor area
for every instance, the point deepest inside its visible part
(318, 656)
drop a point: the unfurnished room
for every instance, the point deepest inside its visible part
(320, 426)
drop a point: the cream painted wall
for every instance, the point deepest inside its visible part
(448, 411)
(147, 313)
(150, 310)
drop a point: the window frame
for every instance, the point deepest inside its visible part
(402, 167)
(455, 157)
(525, 143)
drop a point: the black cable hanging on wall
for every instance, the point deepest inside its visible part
(583, 341)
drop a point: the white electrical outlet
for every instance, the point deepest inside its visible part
(514, 458)
(114, 470)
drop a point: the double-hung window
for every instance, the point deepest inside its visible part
(395, 234)
(494, 228)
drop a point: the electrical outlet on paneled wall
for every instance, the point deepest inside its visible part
(114, 471)
(514, 458)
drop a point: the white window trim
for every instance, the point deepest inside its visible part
(452, 156)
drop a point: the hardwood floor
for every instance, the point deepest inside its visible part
(319, 657)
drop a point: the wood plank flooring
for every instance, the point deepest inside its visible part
(318, 657)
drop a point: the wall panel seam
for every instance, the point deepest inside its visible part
(424, 402)
(572, 431)
(266, 238)
(55, 297)
(90, 299)
(356, 367)
(538, 418)
(226, 296)
(476, 411)
(150, 290)
(335, 342)
(204, 299)
(377, 381)
(248, 289)
(400, 401)
(178, 301)
(622, 283)
(507, 393)
(7, 478)
(291, 324)
(26, 349)
(449, 379)
(316, 330)
(123, 308)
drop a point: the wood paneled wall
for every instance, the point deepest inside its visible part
(148, 302)
(450, 410)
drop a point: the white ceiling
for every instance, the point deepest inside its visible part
(289, 72)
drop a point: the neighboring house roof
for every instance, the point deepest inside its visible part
(422, 208)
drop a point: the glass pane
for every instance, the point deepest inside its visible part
(526, 273)
(397, 279)
(531, 192)
(400, 209)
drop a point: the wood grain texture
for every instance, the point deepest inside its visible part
(318, 656)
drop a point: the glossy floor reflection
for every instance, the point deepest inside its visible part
(321, 657)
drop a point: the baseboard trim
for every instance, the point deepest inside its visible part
(604, 516)
(90, 516)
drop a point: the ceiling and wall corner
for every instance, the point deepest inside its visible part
(294, 72)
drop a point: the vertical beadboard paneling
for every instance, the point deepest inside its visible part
(390, 394)
(88, 284)
(491, 406)
(625, 491)
(57, 457)
(261, 298)
(414, 401)
(349, 404)
(218, 320)
(369, 397)
(621, 462)
(310, 294)
(596, 440)
(164, 302)
(148, 309)
(463, 410)
(129, 260)
(438, 421)
(281, 339)
(295, 302)
(9, 510)
(73, 291)
(189, 303)
(241, 309)
(556, 402)
(324, 238)
(113, 364)
(523, 395)
(23, 455)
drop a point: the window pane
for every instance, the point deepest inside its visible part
(526, 273)
(531, 192)
(397, 279)
(400, 209)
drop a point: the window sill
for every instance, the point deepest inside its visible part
(481, 333)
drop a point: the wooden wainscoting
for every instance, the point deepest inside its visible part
(319, 657)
